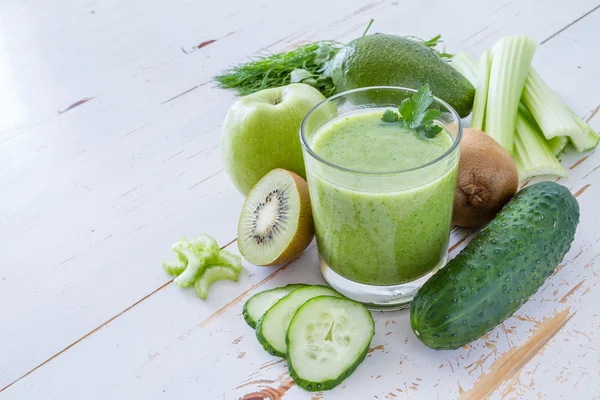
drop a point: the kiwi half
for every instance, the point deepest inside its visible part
(276, 223)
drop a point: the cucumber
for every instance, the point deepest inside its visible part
(498, 270)
(272, 326)
(212, 274)
(327, 339)
(258, 304)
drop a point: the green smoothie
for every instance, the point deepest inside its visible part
(398, 229)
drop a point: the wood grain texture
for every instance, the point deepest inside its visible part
(110, 151)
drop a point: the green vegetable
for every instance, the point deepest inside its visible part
(498, 270)
(557, 144)
(200, 262)
(196, 261)
(552, 116)
(327, 339)
(416, 114)
(590, 135)
(309, 63)
(272, 327)
(175, 267)
(466, 63)
(532, 154)
(212, 274)
(388, 60)
(511, 59)
(483, 79)
(230, 260)
(258, 304)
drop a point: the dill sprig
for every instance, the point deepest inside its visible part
(307, 64)
(433, 44)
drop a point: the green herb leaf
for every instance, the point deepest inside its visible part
(406, 110)
(416, 114)
(298, 75)
(430, 116)
(433, 45)
(429, 132)
(390, 116)
(368, 26)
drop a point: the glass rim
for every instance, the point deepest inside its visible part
(441, 157)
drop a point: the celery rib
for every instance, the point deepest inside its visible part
(483, 79)
(553, 116)
(532, 154)
(466, 63)
(511, 60)
(557, 144)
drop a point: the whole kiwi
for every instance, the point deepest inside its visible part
(487, 179)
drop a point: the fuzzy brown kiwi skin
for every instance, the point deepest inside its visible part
(306, 229)
(487, 179)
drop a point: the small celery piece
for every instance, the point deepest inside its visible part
(207, 245)
(532, 154)
(466, 63)
(211, 275)
(228, 259)
(196, 261)
(175, 267)
(511, 59)
(483, 79)
(553, 116)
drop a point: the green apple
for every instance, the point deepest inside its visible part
(262, 132)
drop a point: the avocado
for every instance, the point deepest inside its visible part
(389, 60)
(498, 270)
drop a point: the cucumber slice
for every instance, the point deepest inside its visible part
(211, 275)
(258, 304)
(327, 339)
(272, 327)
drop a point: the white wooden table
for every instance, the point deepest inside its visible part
(109, 151)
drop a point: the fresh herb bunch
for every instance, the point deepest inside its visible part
(309, 63)
(414, 113)
(306, 64)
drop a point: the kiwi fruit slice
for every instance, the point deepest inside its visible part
(276, 223)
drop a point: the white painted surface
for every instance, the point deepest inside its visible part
(93, 197)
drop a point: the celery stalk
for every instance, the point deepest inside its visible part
(483, 79)
(511, 59)
(553, 116)
(591, 136)
(557, 144)
(466, 63)
(532, 154)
